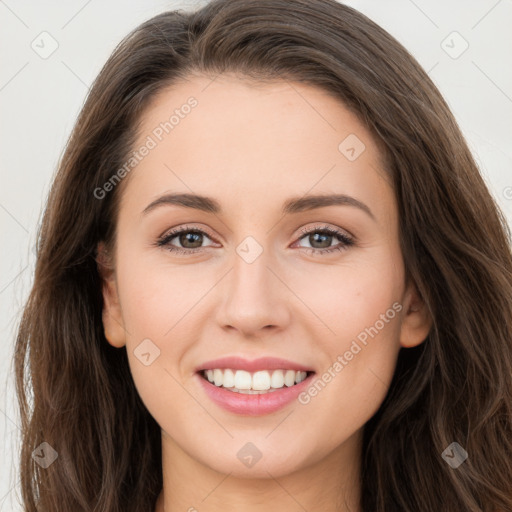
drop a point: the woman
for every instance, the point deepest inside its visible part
(370, 372)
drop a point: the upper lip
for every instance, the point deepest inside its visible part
(262, 363)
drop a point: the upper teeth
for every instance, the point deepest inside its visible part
(240, 380)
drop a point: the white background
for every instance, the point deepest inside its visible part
(40, 99)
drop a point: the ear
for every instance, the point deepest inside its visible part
(113, 323)
(416, 320)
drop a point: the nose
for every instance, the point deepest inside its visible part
(254, 297)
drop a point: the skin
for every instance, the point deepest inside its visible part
(251, 147)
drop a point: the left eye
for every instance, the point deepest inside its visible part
(191, 240)
(324, 237)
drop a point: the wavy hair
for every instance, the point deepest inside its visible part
(75, 390)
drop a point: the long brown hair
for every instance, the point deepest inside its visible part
(75, 390)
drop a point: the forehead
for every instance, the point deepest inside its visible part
(230, 135)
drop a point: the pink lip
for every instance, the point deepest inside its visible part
(262, 363)
(253, 405)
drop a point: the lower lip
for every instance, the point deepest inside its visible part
(253, 405)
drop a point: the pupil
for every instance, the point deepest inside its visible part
(326, 238)
(186, 237)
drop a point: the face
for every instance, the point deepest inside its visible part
(315, 287)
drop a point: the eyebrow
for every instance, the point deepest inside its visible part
(293, 205)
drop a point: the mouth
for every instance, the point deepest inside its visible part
(253, 387)
(254, 383)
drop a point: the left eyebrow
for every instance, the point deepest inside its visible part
(311, 202)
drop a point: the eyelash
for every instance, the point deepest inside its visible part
(346, 241)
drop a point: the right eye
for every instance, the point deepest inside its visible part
(186, 236)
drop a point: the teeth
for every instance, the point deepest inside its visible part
(229, 379)
(243, 380)
(289, 378)
(263, 381)
(277, 380)
(218, 377)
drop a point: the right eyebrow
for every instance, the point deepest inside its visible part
(206, 204)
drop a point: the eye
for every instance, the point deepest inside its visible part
(190, 240)
(324, 236)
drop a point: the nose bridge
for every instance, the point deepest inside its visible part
(250, 267)
(254, 298)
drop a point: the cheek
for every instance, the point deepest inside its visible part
(348, 297)
(159, 305)
(361, 306)
(158, 300)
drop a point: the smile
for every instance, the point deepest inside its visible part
(259, 382)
